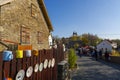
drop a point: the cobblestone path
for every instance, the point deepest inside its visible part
(89, 69)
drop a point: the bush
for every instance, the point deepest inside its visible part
(115, 53)
(72, 58)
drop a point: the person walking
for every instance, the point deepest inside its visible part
(100, 53)
(106, 55)
(96, 55)
(80, 51)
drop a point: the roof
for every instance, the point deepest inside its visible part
(106, 41)
(45, 14)
(3, 2)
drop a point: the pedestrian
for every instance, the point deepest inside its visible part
(106, 55)
(80, 51)
(92, 53)
(100, 53)
(96, 55)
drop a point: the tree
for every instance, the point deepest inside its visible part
(72, 58)
(84, 39)
(74, 38)
(65, 40)
(56, 39)
(117, 41)
(90, 39)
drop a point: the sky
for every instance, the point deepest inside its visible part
(98, 17)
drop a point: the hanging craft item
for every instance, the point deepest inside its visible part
(41, 67)
(53, 62)
(7, 79)
(6, 75)
(28, 53)
(45, 63)
(7, 55)
(29, 71)
(20, 75)
(49, 64)
(35, 52)
(19, 54)
(36, 68)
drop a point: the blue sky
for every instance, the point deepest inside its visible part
(100, 17)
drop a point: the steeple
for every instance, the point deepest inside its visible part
(74, 33)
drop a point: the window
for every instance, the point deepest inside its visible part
(39, 40)
(50, 40)
(33, 10)
(25, 35)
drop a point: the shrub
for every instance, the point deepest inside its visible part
(72, 58)
(115, 53)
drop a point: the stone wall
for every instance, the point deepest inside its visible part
(24, 13)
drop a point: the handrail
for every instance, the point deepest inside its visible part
(4, 44)
(10, 41)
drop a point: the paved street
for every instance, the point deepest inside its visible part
(89, 69)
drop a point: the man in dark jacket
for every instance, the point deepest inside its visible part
(106, 55)
(96, 55)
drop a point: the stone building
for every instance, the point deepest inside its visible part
(24, 22)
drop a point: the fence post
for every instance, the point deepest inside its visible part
(13, 66)
(1, 63)
(35, 61)
(42, 59)
(54, 69)
(39, 59)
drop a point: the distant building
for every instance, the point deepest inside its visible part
(74, 33)
(106, 44)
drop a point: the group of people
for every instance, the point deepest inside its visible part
(94, 53)
(81, 51)
(99, 54)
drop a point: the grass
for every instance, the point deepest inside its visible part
(115, 53)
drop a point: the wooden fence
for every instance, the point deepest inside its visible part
(11, 68)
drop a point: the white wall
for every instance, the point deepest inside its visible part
(50, 40)
(104, 45)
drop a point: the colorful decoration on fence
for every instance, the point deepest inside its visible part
(45, 63)
(35, 52)
(28, 53)
(29, 71)
(49, 63)
(36, 68)
(20, 75)
(6, 75)
(24, 47)
(41, 67)
(7, 79)
(7, 55)
(19, 54)
(53, 62)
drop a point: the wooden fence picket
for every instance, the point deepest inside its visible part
(13, 67)
(1, 64)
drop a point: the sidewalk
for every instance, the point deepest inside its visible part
(89, 69)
